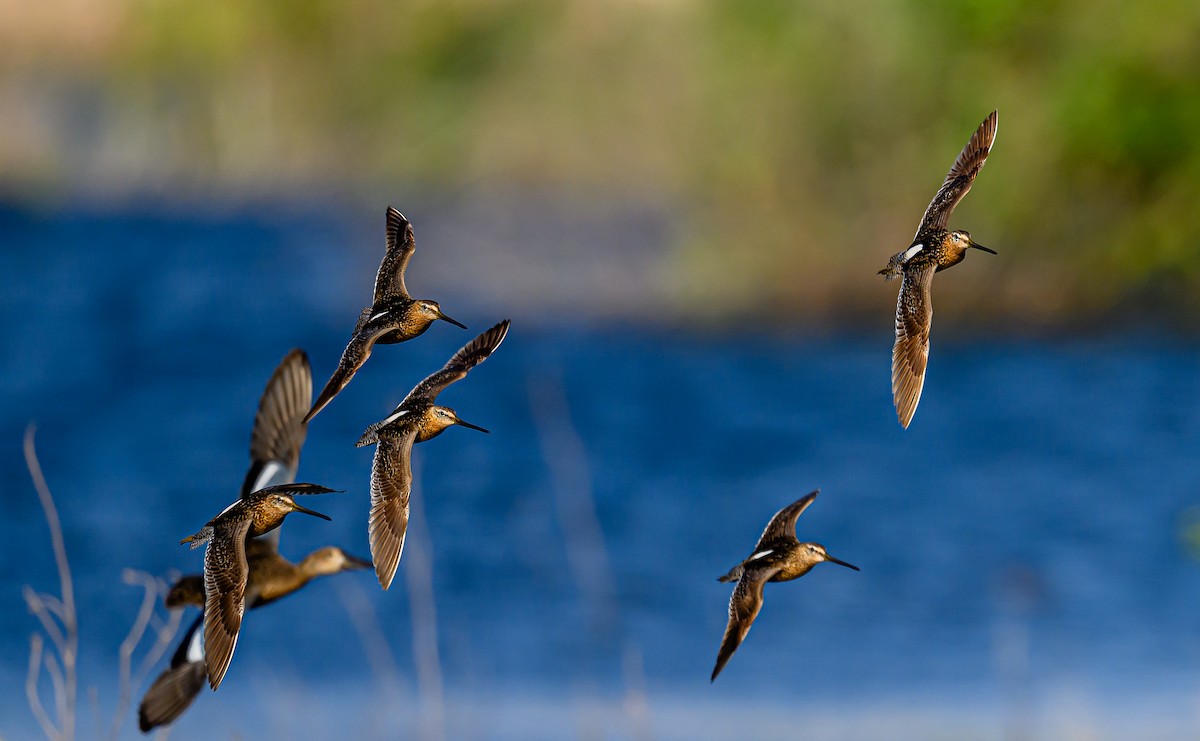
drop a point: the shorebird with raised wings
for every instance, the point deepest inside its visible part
(779, 556)
(416, 419)
(226, 568)
(393, 316)
(933, 249)
(275, 442)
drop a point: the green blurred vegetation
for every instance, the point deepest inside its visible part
(799, 141)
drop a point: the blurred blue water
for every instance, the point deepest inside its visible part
(1021, 545)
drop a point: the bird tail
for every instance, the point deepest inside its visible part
(370, 436)
(735, 574)
(199, 538)
(895, 267)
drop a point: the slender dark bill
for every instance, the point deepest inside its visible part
(452, 321)
(307, 511)
(839, 562)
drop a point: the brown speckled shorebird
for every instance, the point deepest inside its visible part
(932, 249)
(270, 577)
(279, 430)
(393, 317)
(225, 566)
(414, 420)
(275, 444)
(779, 556)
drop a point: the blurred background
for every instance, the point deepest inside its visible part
(682, 206)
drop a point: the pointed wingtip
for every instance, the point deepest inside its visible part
(385, 580)
(716, 670)
(399, 228)
(214, 681)
(321, 402)
(992, 123)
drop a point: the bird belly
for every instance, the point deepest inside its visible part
(792, 571)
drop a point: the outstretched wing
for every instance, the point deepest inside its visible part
(358, 349)
(401, 245)
(391, 485)
(279, 428)
(914, 316)
(744, 605)
(472, 354)
(783, 524)
(174, 690)
(224, 588)
(962, 174)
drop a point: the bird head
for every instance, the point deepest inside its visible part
(818, 552)
(963, 239)
(286, 503)
(331, 560)
(444, 417)
(432, 312)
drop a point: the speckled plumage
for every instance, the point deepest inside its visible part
(932, 249)
(275, 442)
(225, 565)
(416, 419)
(393, 316)
(779, 556)
(270, 577)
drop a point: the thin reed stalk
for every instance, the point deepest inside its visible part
(418, 577)
(57, 619)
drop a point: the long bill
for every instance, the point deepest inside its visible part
(840, 562)
(307, 511)
(470, 426)
(985, 249)
(452, 321)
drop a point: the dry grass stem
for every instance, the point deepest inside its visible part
(57, 618)
(418, 577)
(153, 590)
(375, 644)
(31, 691)
(570, 471)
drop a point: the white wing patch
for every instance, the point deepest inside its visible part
(393, 417)
(195, 649)
(760, 554)
(912, 251)
(376, 316)
(270, 472)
